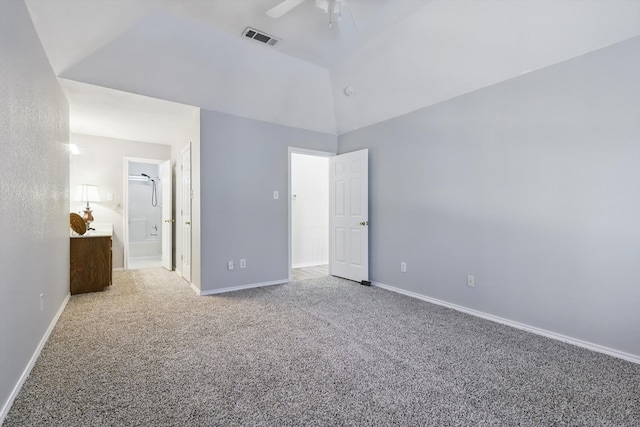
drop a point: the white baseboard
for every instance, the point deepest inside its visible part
(32, 361)
(241, 287)
(195, 288)
(118, 269)
(179, 274)
(559, 337)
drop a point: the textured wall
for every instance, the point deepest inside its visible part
(34, 182)
(531, 185)
(243, 161)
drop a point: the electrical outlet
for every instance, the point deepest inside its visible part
(403, 267)
(471, 282)
(243, 263)
(229, 265)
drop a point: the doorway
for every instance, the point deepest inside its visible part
(147, 241)
(309, 214)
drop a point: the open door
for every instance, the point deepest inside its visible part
(185, 209)
(167, 223)
(349, 215)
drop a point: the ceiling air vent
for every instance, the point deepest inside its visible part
(254, 34)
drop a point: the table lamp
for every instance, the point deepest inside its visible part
(87, 193)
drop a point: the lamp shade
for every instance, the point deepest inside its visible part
(87, 193)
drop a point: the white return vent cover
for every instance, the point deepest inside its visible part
(260, 36)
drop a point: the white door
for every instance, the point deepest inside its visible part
(185, 208)
(167, 215)
(349, 215)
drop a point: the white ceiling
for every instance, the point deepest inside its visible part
(405, 54)
(95, 110)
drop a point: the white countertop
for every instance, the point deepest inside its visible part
(101, 230)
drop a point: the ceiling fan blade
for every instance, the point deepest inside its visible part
(282, 8)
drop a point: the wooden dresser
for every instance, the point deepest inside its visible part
(91, 260)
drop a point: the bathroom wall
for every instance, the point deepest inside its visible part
(101, 162)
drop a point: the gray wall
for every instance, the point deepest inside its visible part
(242, 162)
(532, 186)
(34, 197)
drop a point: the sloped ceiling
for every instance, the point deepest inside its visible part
(449, 48)
(399, 55)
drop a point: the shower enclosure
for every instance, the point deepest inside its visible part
(144, 215)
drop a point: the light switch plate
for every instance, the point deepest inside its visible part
(276, 195)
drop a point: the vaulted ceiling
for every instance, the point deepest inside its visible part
(398, 55)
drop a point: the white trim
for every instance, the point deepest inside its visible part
(194, 287)
(118, 269)
(32, 361)
(553, 335)
(180, 202)
(297, 150)
(191, 285)
(241, 287)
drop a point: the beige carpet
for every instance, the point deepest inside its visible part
(149, 352)
(306, 273)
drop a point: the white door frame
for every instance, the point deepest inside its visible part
(296, 150)
(167, 215)
(125, 199)
(185, 221)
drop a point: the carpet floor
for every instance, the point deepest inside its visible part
(149, 352)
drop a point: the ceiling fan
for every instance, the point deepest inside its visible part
(330, 7)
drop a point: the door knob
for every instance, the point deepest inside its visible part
(364, 222)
